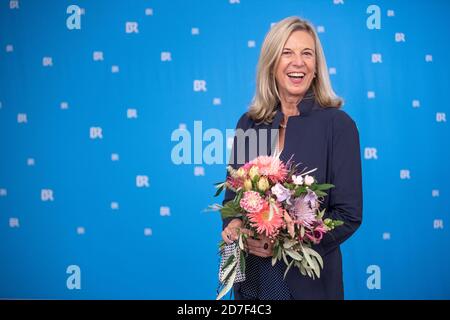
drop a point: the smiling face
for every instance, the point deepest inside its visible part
(296, 67)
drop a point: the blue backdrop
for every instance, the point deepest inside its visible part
(92, 204)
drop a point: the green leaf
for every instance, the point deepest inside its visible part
(274, 261)
(315, 267)
(241, 241)
(321, 213)
(229, 261)
(289, 186)
(285, 259)
(302, 270)
(228, 271)
(338, 223)
(299, 191)
(242, 262)
(227, 286)
(320, 193)
(238, 197)
(230, 209)
(324, 186)
(220, 186)
(307, 257)
(294, 255)
(289, 244)
(280, 250)
(287, 269)
(315, 254)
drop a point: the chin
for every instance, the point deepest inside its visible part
(299, 93)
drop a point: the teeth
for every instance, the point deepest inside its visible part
(296, 74)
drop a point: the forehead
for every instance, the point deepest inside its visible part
(299, 40)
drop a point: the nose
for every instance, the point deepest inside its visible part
(298, 60)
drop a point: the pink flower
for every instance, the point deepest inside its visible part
(303, 212)
(252, 201)
(271, 167)
(315, 236)
(289, 223)
(234, 183)
(267, 221)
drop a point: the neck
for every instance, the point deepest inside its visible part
(289, 105)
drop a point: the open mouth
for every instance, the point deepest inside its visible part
(296, 75)
(296, 78)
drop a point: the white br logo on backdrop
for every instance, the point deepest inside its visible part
(95, 133)
(22, 118)
(14, 223)
(404, 174)
(142, 181)
(97, 56)
(166, 56)
(440, 117)
(199, 85)
(14, 4)
(47, 195)
(131, 27)
(370, 153)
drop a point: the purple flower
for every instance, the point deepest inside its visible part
(303, 212)
(281, 192)
(311, 197)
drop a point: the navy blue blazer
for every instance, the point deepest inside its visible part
(326, 139)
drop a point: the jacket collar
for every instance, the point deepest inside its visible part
(304, 107)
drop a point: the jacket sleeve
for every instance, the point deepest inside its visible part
(345, 199)
(233, 162)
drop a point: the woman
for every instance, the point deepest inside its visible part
(294, 96)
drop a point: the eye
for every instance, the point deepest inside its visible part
(308, 53)
(286, 52)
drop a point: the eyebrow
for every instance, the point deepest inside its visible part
(302, 50)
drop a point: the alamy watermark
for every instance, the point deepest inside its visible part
(210, 146)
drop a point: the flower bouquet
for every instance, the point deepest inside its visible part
(272, 198)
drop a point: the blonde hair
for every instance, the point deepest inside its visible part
(266, 98)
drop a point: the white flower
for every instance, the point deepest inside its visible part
(309, 180)
(298, 180)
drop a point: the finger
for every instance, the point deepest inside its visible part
(247, 232)
(234, 234)
(255, 243)
(226, 236)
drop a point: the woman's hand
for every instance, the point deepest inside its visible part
(230, 233)
(262, 248)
